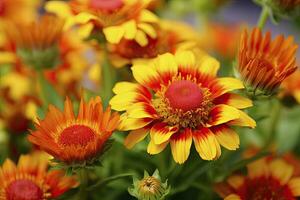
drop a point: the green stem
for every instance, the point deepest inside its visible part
(83, 176)
(263, 17)
(40, 84)
(275, 116)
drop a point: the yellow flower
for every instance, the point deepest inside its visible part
(30, 179)
(72, 139)
(266, 179)
(263, 64)
(117, 18)
(189, 102)
(171, 37)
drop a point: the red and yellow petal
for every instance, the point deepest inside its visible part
(135, 137)
(141, 110)
(234, 100)
(294, 185)
(226, 136)
(222, 113)
(166, 66)
(127, 123)
(161, 132)
(236, 181)
(243, 120)
(146, 76)
(223, 85)
(206, 144)
(156, 148)
(181, 143)
(276, 169)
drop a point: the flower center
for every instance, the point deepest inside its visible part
(265, 189)
(24, 190)
(183, 103)
(150, 185)
(185, 95)
(106, 5)
(78, 135)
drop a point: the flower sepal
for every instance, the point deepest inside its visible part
(150, 187)
(40, 58)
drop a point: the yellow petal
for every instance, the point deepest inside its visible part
(60, 8)
(141, 110)
(156, 148)
(146, 75)
(135, 137)
(129, 29)
(141, 38)
(7, 58)
(208, 65)
(297, 95)
(123, 87)
(147, 16)
(114, 34)
(206, 144)
(243, 120)
(127, 123)
(9, 167)
(258, 168)
(84, 17)
(227, 137)
(232, 197)
(148, 29)
(223, 113)
(166, 65)
(236, 181)
(294, 185)
(234, 100)
(181, 145)
(276, 168)
(223, 85)
(185, 58)
(123, 101)
(85, 30)
(161, 132)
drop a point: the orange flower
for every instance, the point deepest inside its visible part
(73, 139)
(31, 180)
(266, 179)
(40, 34)
(190, 103)
(264, 64)
(291, 86)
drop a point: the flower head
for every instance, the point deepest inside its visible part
(30, 179)
(117, 19)
(263, 64)
(189, 103)
(150, 187)
(75, 140)
(266, 179)
(170, 37)
(37, 41)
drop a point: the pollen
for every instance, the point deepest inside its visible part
(78, 135)
(24, 189)
(183, 102)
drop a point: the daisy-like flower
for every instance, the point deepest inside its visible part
(189, 103)
(171, 37)
(31, 180)
(263, 64)
(37, 41)
(266, 179)
(75, 140)
(117, 19)
(291, 87)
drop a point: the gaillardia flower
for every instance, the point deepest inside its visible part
(266, 179)
(75, 140)
(263, 64)
(189, 103)
(117, 19)
(37, 41)
(150, 187)
(31, 180)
